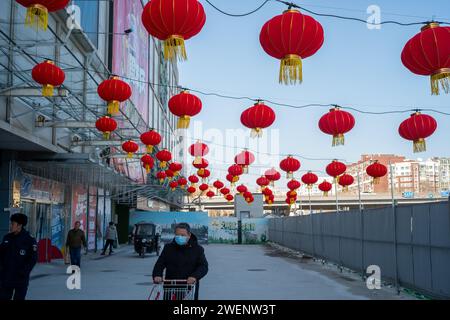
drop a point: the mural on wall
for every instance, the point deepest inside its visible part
(255, 230)
(79, 206)
(100, 221)
(225, 230)
(166, 222)
(41, 189)
(92, 218)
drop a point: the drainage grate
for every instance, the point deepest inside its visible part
(256, 269)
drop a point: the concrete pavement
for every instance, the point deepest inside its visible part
(236, 272)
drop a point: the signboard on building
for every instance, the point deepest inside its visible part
(79, 206)
(92, 218)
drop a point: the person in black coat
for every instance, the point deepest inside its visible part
(18, 256)
(183, 259)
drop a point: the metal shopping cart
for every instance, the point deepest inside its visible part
(172, 290)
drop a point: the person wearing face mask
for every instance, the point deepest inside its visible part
(183, 259)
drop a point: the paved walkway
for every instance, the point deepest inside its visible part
(236, 272)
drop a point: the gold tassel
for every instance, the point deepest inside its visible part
(161, 180)
(174, 48)
(290, 175)
(256, 133)
(37, 17)
(106, 135)
(291, 69)
(162, 164)
(149, 149)
(113, 107)
(440, 79)
(338, 140)
(376, 180)
(47, 90)
(235, 178)
(420, 146)
(200, 172)
(147, 168)
(325, 193)
(197, 160)
(130, 155)
(183, 122)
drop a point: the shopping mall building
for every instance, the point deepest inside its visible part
(55, 165)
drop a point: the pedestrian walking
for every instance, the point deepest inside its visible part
(183, 259)
(75, 240)
(18, 256)
(111, 236)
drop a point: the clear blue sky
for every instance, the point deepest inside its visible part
(355, 67)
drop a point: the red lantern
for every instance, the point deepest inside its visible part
(173, 22)
(204, 174)
(291, 194)
(106, 125)
(244, 159)
(336, 123)
(218, 184)
(182, 182)
(241, 189)
(270, 199)
(235, 170)
(130, 147)
(309, 179)
(114, 91)
(201, 165)
(37, 11)
(170, 174)
(267, 192)
(163, 156)
(232, 179)
(161, 175)
(173, 185)
(257, 118)
(229, 197)
(176, 167)
(376, 170)
(325, 187)
(224, 191)
(346, 180)
(247, 195)
(293, 184)
(427, 54)
(193, 179)
(262, 182)
(191, 190)
(185, 106)
(273, 175)
(203, 187)
(147, 162)
(150, 139)
(49, 76)
(198, 150)
(335, 169)
(210, 194)
(290, 165)
(291, 37)
(416, 128)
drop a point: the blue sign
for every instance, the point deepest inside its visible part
(445, 194)
(408, 194)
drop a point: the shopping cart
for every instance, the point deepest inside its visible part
(172, 290)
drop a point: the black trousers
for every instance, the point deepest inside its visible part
(15, 293)
(109, 243)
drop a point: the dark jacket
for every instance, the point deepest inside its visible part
(75, 238)
(18, 256)
(182, 262)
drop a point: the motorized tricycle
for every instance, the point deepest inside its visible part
(146, 239)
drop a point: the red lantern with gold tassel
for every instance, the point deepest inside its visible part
(335, 169)
(416, 128)
(263, 182)
(193, 179)
(337, 122)
(210, 194)
(114, 91)
(345, 181)
(182, 182)
(173, 185)
(176, 167)
(229, 197)
(185, 105)
(106, 125)
(201, 165)
(204, 174)
(161, 176)
(225, 191)
(241, 189)
(130, 147)
(203, 187)
(325, 187)
(244, 159)
(170, 174)
(38, 10)
(173, 22)
(257, 118)
(232, 179)
(198, 150)
(150, 139)
(293, 185)
(191, 190)
(376, 170)
(290, 165)
(147, 162)
(273, 175)
(163, 156)
(309, 179)
(49, 76)
(291, 37)
(427, 54)
(218, 185)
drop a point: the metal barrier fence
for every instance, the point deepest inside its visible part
(410, 244)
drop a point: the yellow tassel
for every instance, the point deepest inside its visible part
(197, 160)
(106, 135)
(163, 164)
(420, 146)
(440, 79)
(256, 133)
(338, 140)
(291, 69)
(149, 149)
(183, 122)
(161, 180)
(325, 193)
(130, 155)
(290, 175)
(174, 48)
(113, 107)
(200, 172)
(376, 180)
(147, 168)
(235, 178)
(37, 17)
(47, 90)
